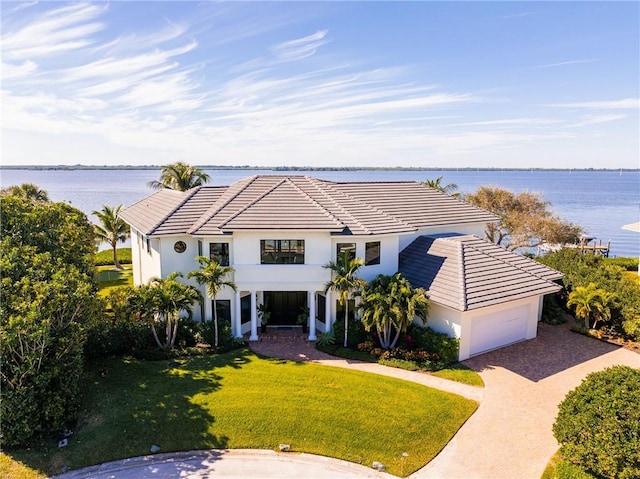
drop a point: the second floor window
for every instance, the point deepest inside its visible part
(219, 252)
(342, 247)
(372, 253)
(282, 251)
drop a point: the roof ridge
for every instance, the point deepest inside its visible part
(168, 215)
(315, 202)
(324, 192)
(253, 202)
(463, 272)
(361, 202)
(217, 206)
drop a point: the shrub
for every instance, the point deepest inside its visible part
(552, 312)
(431, 341)
(400, 363)
(628, 264)
(598, 424)
(326, 339)
(356, 333)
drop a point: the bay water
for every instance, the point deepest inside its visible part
(601, 201)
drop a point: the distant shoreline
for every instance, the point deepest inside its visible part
(297, 168)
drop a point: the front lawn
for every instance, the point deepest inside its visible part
(241, 400)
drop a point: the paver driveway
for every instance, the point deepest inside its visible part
(510, 434)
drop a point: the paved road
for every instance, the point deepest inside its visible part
(509, 436)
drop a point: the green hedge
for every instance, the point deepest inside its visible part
(105, 257)
(628, 264)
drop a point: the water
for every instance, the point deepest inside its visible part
(600, 201)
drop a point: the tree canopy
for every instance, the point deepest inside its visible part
(389, 304)
(180, 176)
(525, 219)
(27, 191)
(48, 294)
(450, 189)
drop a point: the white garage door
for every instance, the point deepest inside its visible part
(498, 329)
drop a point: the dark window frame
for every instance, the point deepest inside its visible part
(340, 247)
(222, 258)
(282, 251)
(372, 258)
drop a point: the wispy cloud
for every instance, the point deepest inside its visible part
(624, 104)
(565, 63)
(597, 119)
(301, 47)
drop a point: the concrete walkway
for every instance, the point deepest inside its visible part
(509, 436)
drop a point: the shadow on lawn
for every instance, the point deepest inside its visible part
(554, 350)
(128, 406)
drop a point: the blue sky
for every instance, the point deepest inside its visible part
(432, 84)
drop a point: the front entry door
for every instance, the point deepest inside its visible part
(285, 306)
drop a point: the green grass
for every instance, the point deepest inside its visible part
(462, 374)
(240, 400)
(110, 277)
(105, 257)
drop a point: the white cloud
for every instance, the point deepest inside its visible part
(597, 119)
(565, 63)
(300, 48)
(626, 103)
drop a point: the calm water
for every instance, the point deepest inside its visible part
(600, 201)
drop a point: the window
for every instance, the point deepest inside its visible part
(219, 252)
(223, 307)
(199, 247)
(180, 246)
(282, 251)
(372, 253)
(342, 247)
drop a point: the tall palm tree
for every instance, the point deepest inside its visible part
(450, 189)
(214, 276)
(112, 229)
(180, 176)
(161, 300)
(345, 281)
(390, 303)
(29, 191)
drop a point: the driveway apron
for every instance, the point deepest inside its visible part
(510, 435)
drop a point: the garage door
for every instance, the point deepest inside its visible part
(498, 329)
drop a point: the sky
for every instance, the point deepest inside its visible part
(321, 84)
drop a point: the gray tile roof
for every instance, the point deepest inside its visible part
(466, 272)
(300, 202)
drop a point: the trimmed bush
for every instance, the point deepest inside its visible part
(598, 424)
(356, 333)
(441, 344)
(628, 264)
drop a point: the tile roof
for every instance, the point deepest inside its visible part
(300, 202)
(465, 272)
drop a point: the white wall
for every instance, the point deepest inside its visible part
(145, 257)
(458, 324)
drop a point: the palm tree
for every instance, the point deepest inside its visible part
(448, 189)
(591, 301)
(345, 281)
(112, 229)
(161, 300)
(180, 176)
(28, 191)
(213, 276)
(390, 303)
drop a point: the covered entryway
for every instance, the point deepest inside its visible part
(285, 306)
(498, 329)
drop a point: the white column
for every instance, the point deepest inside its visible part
(327, 311)
(254, 318)
(238, 315)
(208, 311)
(311, 301)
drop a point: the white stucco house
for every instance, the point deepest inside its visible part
(277, 232)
